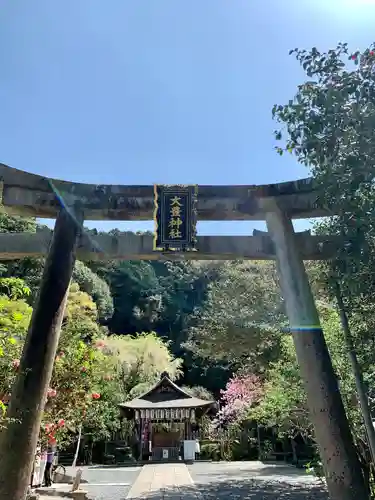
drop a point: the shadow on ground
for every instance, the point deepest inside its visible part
(286, 471)
(244, 490)
(127, 465)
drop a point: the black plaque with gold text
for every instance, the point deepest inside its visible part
(175, 217)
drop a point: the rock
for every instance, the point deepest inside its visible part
(78, 495)
(33, 496)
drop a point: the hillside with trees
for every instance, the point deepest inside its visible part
(218, 328)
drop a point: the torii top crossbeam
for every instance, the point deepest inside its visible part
(29, 194)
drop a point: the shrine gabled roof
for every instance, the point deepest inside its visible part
(138, 404)
(165, 394)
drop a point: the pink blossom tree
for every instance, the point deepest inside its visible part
(240, 393)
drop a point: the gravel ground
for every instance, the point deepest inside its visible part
(254, 481)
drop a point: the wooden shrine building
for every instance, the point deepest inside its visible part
(166, 421)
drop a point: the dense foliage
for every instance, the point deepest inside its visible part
(329, 126)
(92, 373)
(242, 317)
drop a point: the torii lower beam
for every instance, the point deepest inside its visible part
(130, 246)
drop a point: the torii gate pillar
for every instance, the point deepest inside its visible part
(18, 441)
(332, 431)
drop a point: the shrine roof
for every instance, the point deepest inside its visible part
(165, 394)
(139, 404)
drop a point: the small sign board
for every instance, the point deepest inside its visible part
(165, 454)
(175, 217)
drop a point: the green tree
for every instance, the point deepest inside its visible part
(14, 321)
(84, 385)
(183, 290)
(162, 297)
(199, 392)
(329, 126)
(242, 318)
(141, 360)
(30, 269)
(14, 288)
(96, 287)
(15, 316)
(136, 296)
(284, 404)
(15, 224)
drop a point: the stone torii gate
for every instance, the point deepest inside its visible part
(71, 203)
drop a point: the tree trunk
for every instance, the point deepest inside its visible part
(359, 382)
(74, 464)
(294, 450)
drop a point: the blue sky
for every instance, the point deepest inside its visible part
(159, 91)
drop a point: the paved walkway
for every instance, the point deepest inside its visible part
(163, 481)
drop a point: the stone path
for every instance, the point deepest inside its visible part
(163, 481)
